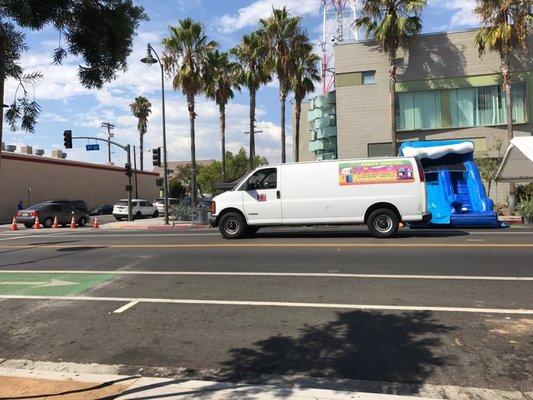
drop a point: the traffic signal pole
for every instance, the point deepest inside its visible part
(127, 148)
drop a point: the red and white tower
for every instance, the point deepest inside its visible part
(338, 25)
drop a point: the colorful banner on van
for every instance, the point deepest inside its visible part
(375, 172)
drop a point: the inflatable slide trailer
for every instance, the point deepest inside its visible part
(456, 196)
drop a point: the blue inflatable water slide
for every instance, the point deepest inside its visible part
(456, 196)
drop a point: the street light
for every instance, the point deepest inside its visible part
(150, 60)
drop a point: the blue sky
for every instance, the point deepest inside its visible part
(67, 105)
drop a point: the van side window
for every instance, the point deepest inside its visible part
(263, 179)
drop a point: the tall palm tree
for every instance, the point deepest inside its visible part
(504, 27)
(391, 23)
(221, 79)
(252, 55)
(185, 57)
(283, 34)
(141, 109)
(301, 83)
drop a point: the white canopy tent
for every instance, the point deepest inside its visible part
(517, 164)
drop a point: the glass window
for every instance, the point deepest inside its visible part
(379, 149)
(369, 77)
(459, 108)
(263, 179)
(54, 208)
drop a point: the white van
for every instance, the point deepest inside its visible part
(381, 192)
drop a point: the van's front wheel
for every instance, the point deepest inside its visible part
(383, 223)
(232, 225)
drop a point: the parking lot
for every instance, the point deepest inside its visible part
(445, 308)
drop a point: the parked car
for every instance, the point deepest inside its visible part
(76, 204)
(47, 211)
(159, 203)
(105, 209)
(380, 192)
(139, 208)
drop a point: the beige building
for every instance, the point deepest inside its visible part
(33, 178)
(444, 91)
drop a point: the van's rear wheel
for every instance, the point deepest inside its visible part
(232, 225)
(383, 223)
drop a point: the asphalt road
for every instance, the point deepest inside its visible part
(448, 307)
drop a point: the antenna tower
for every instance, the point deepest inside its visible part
(338, 25)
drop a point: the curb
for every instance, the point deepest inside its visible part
(143, 387)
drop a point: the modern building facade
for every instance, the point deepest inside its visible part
(445, 90)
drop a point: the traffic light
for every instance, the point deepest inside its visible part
(156, 157)
(67, 139)
(127, 167)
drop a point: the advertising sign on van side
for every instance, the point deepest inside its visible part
(375, 172)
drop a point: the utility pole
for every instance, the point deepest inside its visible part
(135, 172)
(109, 126)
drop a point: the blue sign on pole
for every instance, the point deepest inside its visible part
(91, 147)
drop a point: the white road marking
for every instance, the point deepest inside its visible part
(51, 283)
(280, 274)
(125, 307)
(278, 304)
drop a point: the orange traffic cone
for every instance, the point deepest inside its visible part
(73, 222)
(37, 224)
(14, 226)
(95, 223)
(56, 223)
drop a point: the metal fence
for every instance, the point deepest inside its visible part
(188, 214)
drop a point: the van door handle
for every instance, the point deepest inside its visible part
(278, 194)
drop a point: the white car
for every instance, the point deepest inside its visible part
(159, 204)
(139, 208)
(379, 192)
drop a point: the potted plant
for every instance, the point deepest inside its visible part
(525, 209)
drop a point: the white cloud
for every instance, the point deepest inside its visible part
(462, 12)
(249, 15)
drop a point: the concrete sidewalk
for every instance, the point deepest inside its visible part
(21, 383)
(152, 224)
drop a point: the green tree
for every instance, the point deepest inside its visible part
(99, 31)
(301, 83)
(504, 27)
(185, 59)
(208, 176)
(252, 55)
(176, 188)
(221, 80)
(391, 24)
(141, 109)
(284, 35)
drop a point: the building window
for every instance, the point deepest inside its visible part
(458, 108)
(379, 149)
(369, 77)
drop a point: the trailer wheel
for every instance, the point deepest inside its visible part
(232, 225)
(383, 223)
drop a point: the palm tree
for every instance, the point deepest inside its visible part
(283, 34)
(221, 79)
(252, 55)
(504, 27)
(185, 58)
(302, 83)
(391, 23)
(141, 109)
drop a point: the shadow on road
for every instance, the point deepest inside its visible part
(358, 351)
(358, 345)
